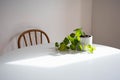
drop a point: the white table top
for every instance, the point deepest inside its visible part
(43, 62)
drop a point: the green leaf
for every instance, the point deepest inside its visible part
(72, 47)
(90, 48)
(78, 34)
(76, 41)
(79, 48)
(56, 44)
(77, 29)
(62, 47)
(72, 35)
(70, 38)
(78, 38)
(83, 33)
(66, 41)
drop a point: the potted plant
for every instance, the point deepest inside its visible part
(76, 41)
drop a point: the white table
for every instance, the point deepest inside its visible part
(44, 63)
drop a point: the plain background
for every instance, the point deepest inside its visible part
(106, 22)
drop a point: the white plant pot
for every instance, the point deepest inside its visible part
(87, 40)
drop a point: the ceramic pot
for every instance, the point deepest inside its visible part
(87, 39)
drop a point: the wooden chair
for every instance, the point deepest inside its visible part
(30, 38)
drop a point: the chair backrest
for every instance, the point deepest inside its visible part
(29, 37)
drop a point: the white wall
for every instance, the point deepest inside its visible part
(56, 17)
(106, 22)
